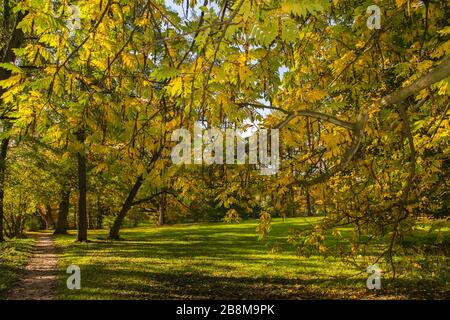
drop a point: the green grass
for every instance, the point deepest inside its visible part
(14, 255)
(220, 261)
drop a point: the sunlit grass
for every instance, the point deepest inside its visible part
(14, 254)
(209, 260)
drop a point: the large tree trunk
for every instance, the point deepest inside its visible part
(8, 55)
(3, 151)
(114, 231)
(82, 190)
(62, 224)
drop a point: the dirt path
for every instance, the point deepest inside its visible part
(38, 281)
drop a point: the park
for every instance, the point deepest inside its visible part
(125, 171)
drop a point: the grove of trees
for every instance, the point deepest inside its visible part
(88, 107)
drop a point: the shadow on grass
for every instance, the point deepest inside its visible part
(14, 254)
(132, 284)
(214, 261)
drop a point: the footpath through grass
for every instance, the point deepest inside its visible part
(217, 261)
(14, 255)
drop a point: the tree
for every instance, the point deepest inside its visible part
(82, 189)
(360, 111)
(62, 224)
(12, 37)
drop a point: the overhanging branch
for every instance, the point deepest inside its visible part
(435, 75)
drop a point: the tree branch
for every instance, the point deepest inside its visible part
(439, 73)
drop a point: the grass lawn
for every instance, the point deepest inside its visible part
(222, 261)
(14, 255)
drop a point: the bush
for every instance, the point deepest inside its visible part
(18, 210)
(33, 223)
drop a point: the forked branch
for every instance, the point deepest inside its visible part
(437, 74)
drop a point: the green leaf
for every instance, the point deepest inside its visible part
(289, 30)
(164, 73)
(10, 67)
(302, 8)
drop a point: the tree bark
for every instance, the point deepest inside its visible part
(309, 206)
(99, 217)
(82, 190)
(162, 210)
(293, 201)
(75, 216)
(436, 74)
(62, 224)
(3, 151)
(8, 55)
(114, 231)
(49, 216)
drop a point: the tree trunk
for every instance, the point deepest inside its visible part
(114, 231)
(309, 207)
(82, 190)
(293, 202)
(162, 209)
(16, 40)
(62, 224)
(42, 222)
(49, 216)
(3, 151)
(75, 216)
(91, 224)
(100, 213)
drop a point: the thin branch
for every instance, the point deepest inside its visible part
(72, 54)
